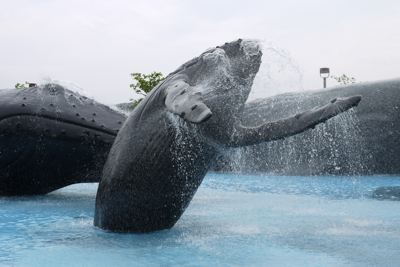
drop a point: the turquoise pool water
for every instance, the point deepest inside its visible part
(234, 220)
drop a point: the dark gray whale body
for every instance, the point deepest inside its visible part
(168, 143)
(51, 137)
(387, 193)
(365, 141)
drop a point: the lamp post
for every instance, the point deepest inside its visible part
(324, 73)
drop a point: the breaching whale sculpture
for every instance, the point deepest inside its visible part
(168, 143)
(363, 142)
(51, 137)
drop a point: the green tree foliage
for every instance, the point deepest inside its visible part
(21, 85)
(25, 85)
(344, 79)
(144, 83)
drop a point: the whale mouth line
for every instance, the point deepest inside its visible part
(105, 131)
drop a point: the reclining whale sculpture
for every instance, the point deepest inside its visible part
(51, 137)
(371, 146)
(168, 143)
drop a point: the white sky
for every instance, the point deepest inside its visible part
(96, 44)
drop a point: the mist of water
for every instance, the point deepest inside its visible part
(335, 147)
(278, 73)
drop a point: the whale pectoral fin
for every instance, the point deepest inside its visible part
(181, 100)
(245, 136)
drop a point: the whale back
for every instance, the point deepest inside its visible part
(51, 137)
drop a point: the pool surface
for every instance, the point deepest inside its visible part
(233, 220)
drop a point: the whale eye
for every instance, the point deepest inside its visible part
(183, 114)
(183, 91)
(194, 107)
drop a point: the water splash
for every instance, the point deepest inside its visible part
(68, 85)
(278, 73)
(336, 147)
(251, 47)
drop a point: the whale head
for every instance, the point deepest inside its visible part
(224, 75)
(213, 88)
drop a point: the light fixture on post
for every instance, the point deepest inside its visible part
(324, 73)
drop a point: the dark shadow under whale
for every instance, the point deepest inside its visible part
(387, 193)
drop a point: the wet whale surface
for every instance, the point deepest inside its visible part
(51, 137)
